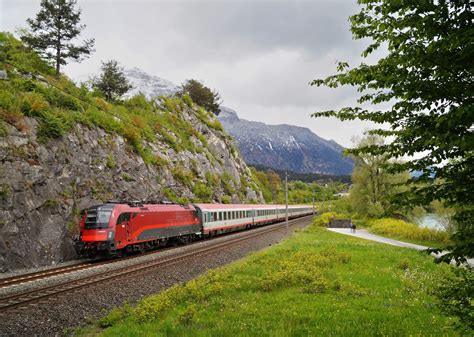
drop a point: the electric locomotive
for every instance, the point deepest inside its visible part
(116, 228)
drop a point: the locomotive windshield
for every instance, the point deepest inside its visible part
(97, 218)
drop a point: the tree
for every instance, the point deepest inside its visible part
(372, 184)
(53, 29)
(423, 91)
(201, 95)
(274, 183)
(112, 82)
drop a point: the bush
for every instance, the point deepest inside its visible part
(228, 183)
(114, 316)
(59, 99)
(201, 95)
(324, 219)
(3, 129)
(407, 230)
(456, 297)
(202, 192)
(226, 199)
(212, 179)
(183, 175)
(110, 161)
(33, 104)
(14, 118)
(188, 100)
(7, 99)
(51, 126)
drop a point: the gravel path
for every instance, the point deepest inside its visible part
(59, 315)
(362, 233)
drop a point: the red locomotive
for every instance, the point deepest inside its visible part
(118, 228)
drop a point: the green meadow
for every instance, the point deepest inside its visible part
(316, 283)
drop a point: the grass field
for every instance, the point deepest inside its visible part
(316, 283)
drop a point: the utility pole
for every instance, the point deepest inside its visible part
(314, 210)
(286, 200)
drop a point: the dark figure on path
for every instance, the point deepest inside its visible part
(353, 227)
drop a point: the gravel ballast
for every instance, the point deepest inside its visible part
(60, 315)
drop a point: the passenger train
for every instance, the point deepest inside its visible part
(115, 229)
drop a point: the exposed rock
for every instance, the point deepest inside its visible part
(3, 75)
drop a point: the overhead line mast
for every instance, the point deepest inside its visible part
(286, 200)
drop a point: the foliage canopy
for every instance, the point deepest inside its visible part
(53, 29)
(201, 95)
(427, 81)
(372, 184)
(112, 81)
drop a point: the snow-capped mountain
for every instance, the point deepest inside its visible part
(149, 85)
(285, 147)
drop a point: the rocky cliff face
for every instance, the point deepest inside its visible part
(44, 185)
(285, 147)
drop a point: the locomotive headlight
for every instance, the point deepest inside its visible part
(111, 235)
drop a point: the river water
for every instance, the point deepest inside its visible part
(431, 220)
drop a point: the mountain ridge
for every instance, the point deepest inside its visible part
(285, 147)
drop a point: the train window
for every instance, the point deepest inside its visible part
(225, 215)
(233, 215)
(205, 217)
(124, 217)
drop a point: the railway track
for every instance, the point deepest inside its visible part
(20, 279)
(23, 278)
(21, 300)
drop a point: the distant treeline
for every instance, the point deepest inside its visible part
(306, 177)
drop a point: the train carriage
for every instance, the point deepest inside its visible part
(220, 218)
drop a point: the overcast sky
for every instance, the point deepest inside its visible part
(259, 55)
